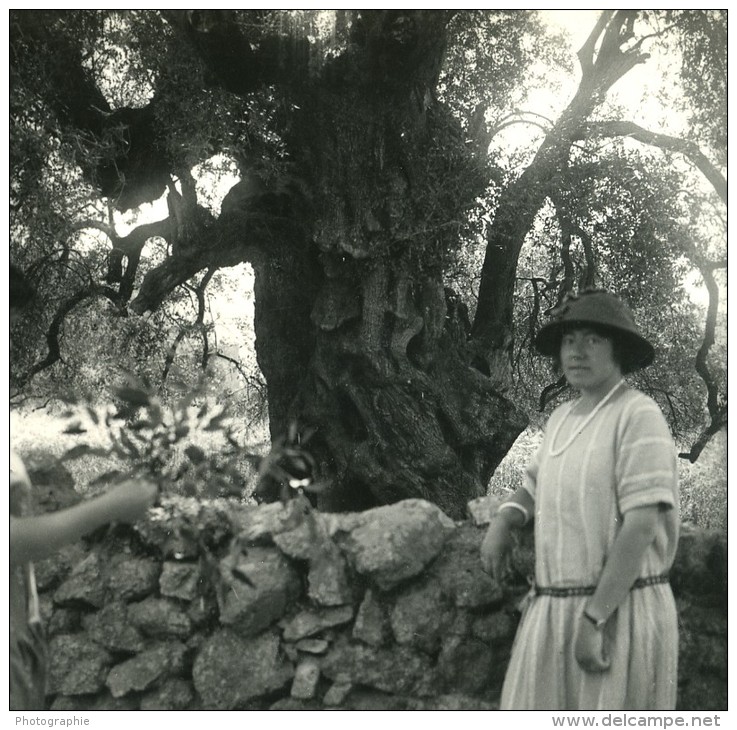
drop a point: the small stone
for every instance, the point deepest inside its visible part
(313, 646)
(312, 621)
(173, 694)
(305, 681)
(160, 617)
(180, 580)
(336, 694)
(372, 624)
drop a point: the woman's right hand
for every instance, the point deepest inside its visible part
(495, 546)
(127, 502)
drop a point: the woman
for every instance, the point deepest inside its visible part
(600, 628)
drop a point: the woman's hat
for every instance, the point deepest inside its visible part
(602, 309)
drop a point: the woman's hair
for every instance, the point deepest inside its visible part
(21, 291)
(621, 353)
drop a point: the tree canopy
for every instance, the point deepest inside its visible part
(404, 250)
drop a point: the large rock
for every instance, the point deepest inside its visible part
(143, 670)
(111, 628)
(275, 586)
(77, 665)
(231, 670)
(399, 670)
(51, 571)
(132, 578)
(160, 618)
(459, 572)
(259, 525)
(393, 543)
(84, 586)
(466, 666)
(419, 616)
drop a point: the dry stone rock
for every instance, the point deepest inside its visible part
(231, 670)
(482, 509)
(260, 524)
(160, 618)
(399, 670)
(249, 609)
(336, 694)
(312, 646)
(64, 621)
(372, 622)
(396, 542)
(305, 680)
(466, 666)
(102, 701)
(418, 616)
(131, 578)
(180, 580)
(84, 586)
(144, 669)
(328, 578)
(493, 627)
(51, 571)
(459, 571)
(173, 694)
(111, 628)
(77, 665)
(312, 621)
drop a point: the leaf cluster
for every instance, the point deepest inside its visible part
(164, 443)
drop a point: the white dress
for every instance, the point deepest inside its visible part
(623, 458)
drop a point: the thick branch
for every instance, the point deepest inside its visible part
(672, 144)
(520, 202)
(54, 331)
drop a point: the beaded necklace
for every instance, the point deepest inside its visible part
(576, 431)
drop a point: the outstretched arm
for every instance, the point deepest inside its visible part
(35, 538)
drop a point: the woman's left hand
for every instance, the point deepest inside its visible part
(592, 647)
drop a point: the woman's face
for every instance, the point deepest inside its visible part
(587, 360)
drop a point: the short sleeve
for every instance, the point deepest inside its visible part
(646, 469)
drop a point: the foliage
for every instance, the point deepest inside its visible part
(161, 443)
(188, 449)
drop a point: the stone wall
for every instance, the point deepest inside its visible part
(225, 606)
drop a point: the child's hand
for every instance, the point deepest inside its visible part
(592, 652)
(127, 502)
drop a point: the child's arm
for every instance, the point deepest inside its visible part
(620, 572)
(35, 538)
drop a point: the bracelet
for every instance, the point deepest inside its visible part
(598, 622)
(518, 507)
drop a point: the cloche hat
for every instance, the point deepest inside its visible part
(602, 309)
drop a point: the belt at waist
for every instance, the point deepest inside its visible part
(560, 592)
